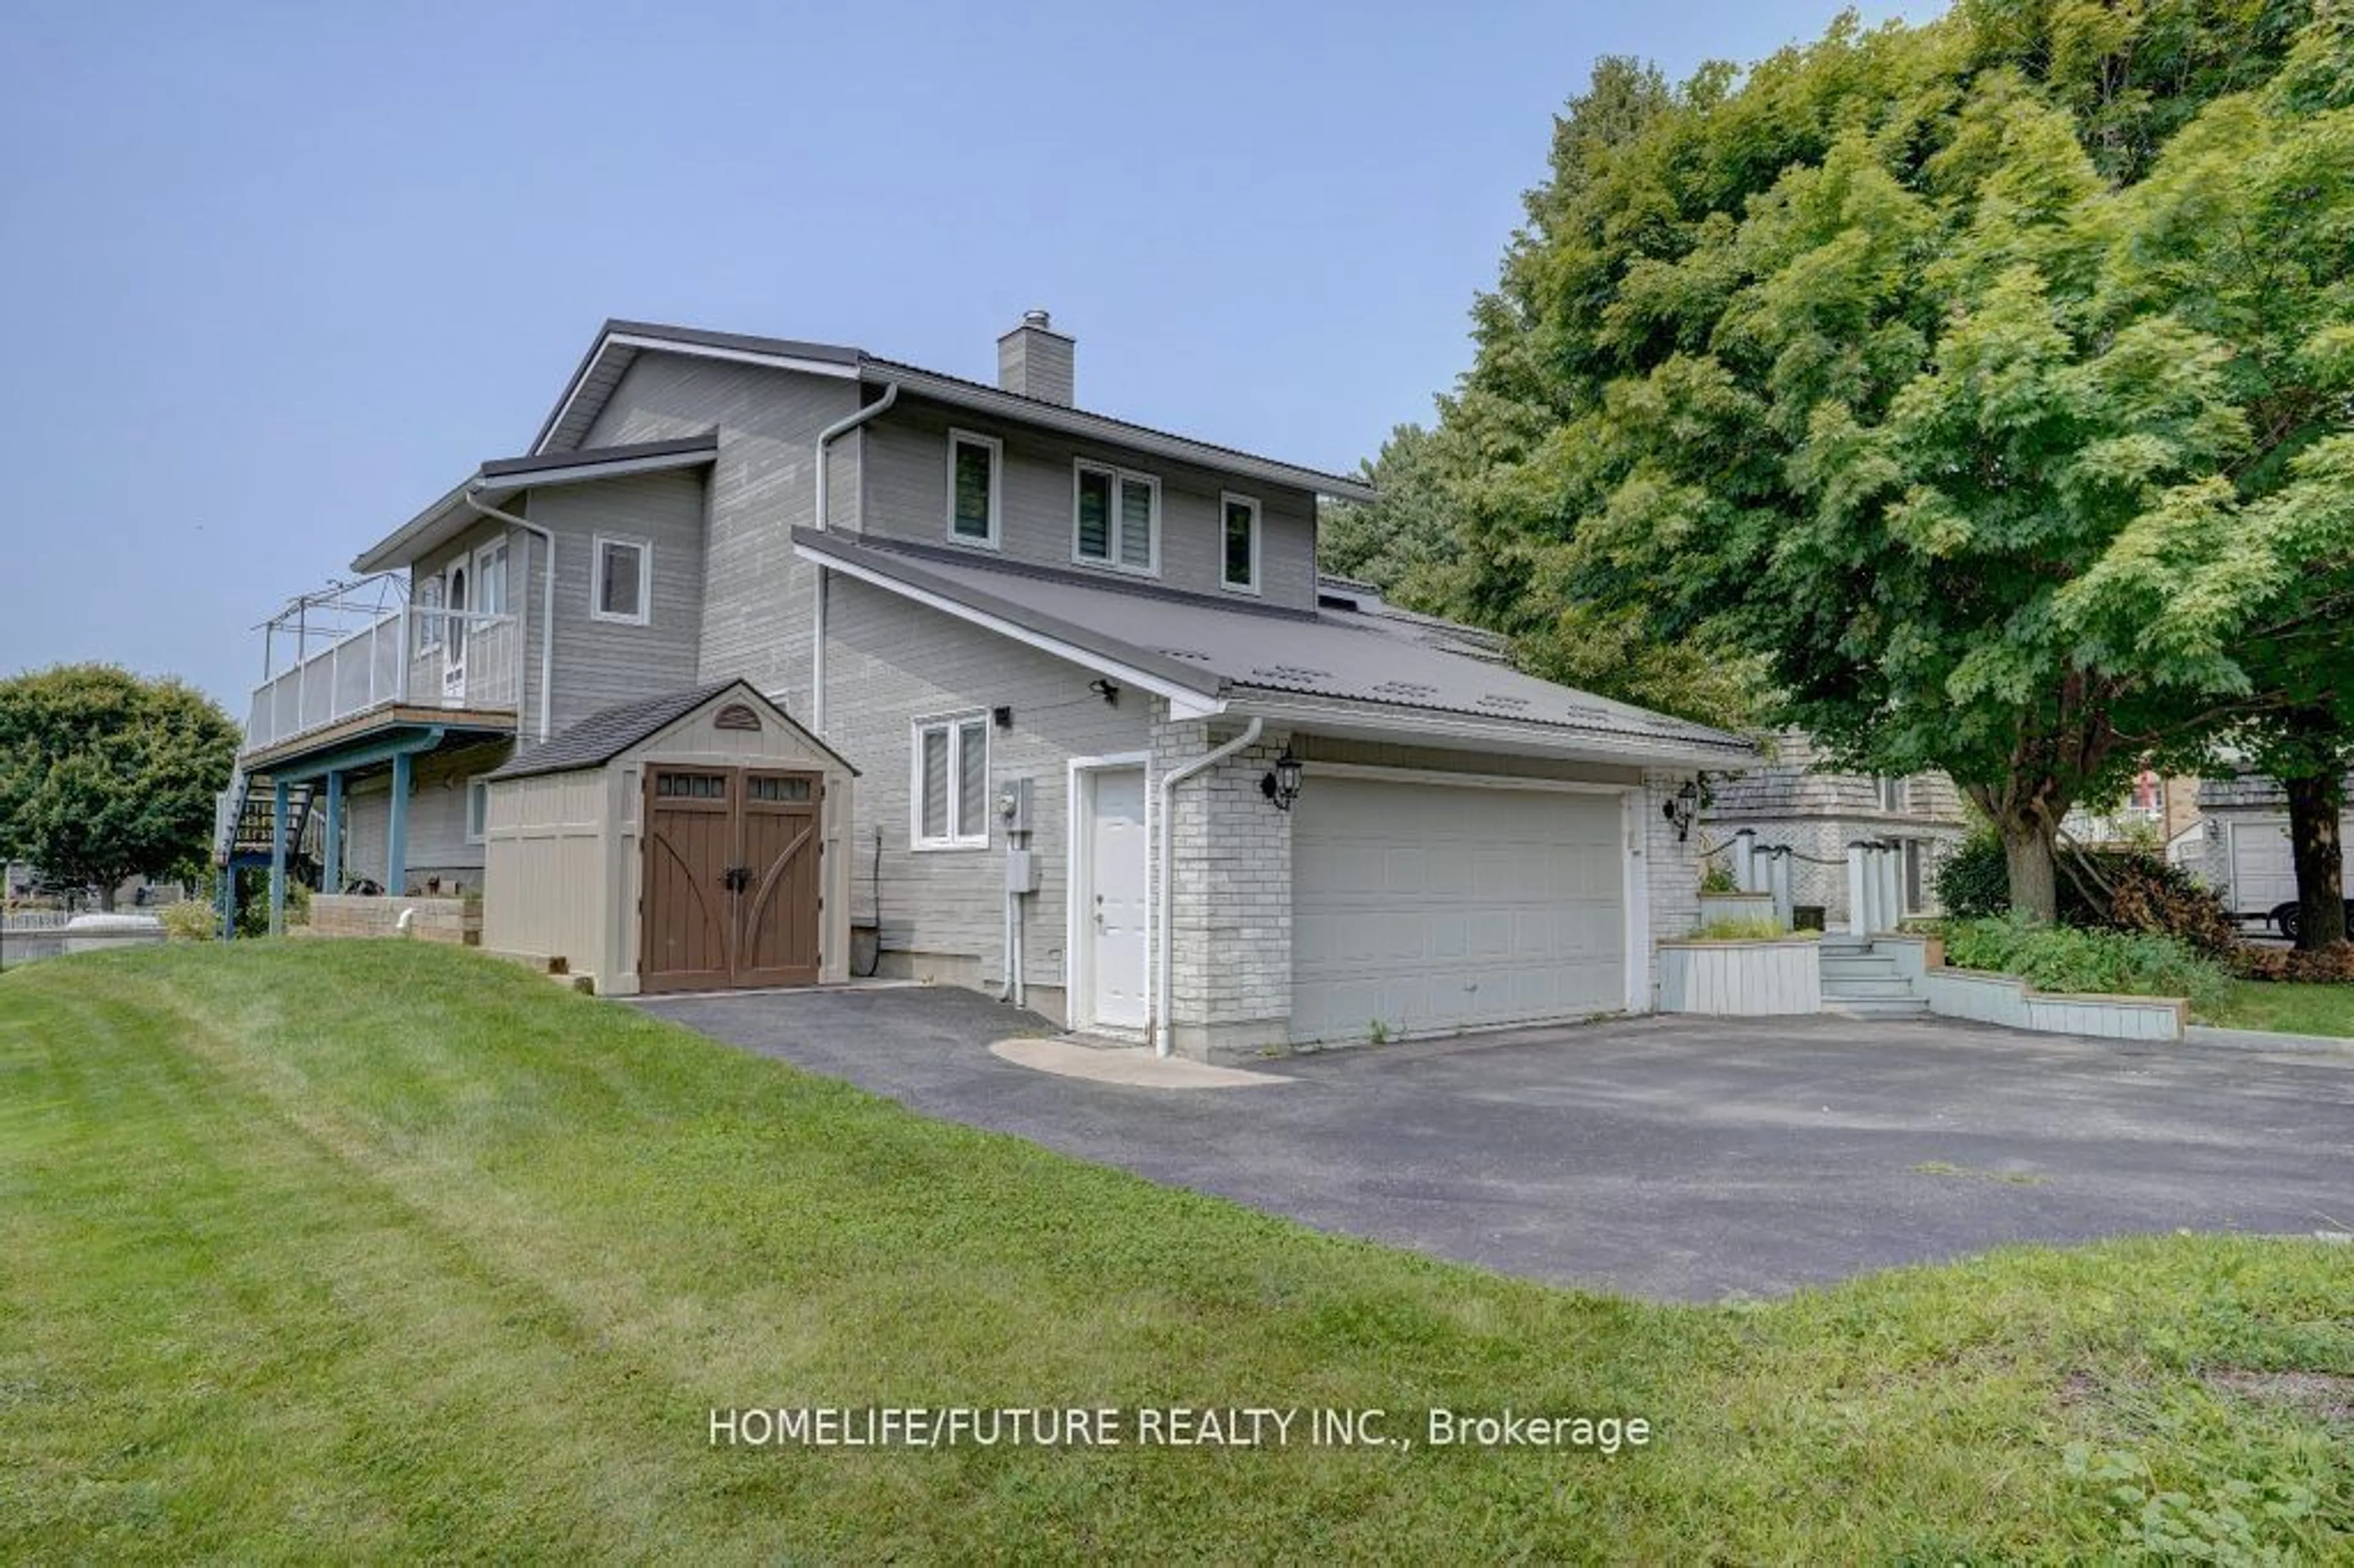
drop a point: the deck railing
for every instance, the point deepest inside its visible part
(423, 658)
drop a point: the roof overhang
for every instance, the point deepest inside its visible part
(498, 481)
(1078, 422)
(1467, 731)
(618, 342)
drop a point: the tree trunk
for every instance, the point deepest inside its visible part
(2313, 803)
(2027, 853)
(106, 896)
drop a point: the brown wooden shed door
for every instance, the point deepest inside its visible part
(732, 890)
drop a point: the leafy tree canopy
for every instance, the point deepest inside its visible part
(105, 776)
(1990, 382)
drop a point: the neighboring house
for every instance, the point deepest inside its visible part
(2243, 851)
(1063, 653)
(1818, 813)
(2155, 809)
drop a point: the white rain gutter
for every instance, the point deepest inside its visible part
(546, 597)
(825, 439)
(1158, 1023)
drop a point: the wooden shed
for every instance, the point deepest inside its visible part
(693, 841)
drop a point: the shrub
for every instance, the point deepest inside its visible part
(2333, 965)
(2066, 959)
(1973, 879)
(1718, 879)
(191, 920)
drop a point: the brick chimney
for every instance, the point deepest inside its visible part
(1035, 360)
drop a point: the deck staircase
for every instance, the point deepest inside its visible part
(1860, 982)
(241, 819)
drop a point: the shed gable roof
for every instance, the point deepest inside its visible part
(608, 732)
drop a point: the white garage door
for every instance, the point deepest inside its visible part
(2263, 876)
(1435, 906)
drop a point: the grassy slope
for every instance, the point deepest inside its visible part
(307, 1254)
(2288, 1009)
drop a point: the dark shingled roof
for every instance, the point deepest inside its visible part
(608, 732)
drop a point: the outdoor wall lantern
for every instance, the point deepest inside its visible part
(1282, 786)
(1679, 809)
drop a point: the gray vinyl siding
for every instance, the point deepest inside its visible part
(905, 496)
(889, 662)
(437, 819)
(600, 662)
(755, 603)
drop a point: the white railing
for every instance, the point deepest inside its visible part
(428, 658)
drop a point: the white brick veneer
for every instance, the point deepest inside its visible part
(1230, 941)
(1669, 868)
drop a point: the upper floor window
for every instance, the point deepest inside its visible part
(491, 579)
(975, 463)
(1238, 546)
(950, 793)
(623, 588)
(1895, 795)
(1116, 519)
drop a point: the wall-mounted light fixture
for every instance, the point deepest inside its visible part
(1680, 807)
(1002, 717)
(1282, 785)
(1109, 690)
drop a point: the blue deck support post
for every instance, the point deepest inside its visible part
(331, 851)
(396, 832)
(281, 802)
(228, 899)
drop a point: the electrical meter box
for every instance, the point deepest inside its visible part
(1014, 804)
(1021, 871)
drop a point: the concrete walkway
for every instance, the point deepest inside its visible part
(1132, 1065)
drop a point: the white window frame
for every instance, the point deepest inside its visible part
(1258, 532)
(497, 550)
(1152, 525)
(645, 549)
(954, 724)
(996, 449)
(478, 831)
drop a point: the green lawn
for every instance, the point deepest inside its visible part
(2288, 1009)
(319, 1251)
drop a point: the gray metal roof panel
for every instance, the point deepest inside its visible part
(1228, 648)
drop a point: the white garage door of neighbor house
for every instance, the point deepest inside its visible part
(2264, 876)
(1438, 907)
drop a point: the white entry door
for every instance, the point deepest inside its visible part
(1423, 908)
(1113, 906)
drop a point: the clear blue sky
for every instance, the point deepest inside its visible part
(276, 275)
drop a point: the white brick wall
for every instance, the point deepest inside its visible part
(1230, 933)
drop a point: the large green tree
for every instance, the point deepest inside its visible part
(1894, 364)
(105, 776)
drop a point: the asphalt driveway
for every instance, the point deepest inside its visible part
(1671, 1158)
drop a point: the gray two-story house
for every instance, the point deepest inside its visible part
(1121, 754)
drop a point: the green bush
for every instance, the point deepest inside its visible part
(191, 920)
(1973, 879)
(2066, 959)
(1718, 879)
(1747, 931)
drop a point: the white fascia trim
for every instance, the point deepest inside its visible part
(583, 472)
(740, 356)
(1427, 727)
(1185, 702)
(1460, 781)
(1113, 433)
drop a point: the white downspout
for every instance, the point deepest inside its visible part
(1158, 1024)
(547, 601)
(826, 438)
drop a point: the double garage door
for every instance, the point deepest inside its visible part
(1431, 907)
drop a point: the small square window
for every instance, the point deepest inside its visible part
(974, 463)
(1238, 553)
(624, 570)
